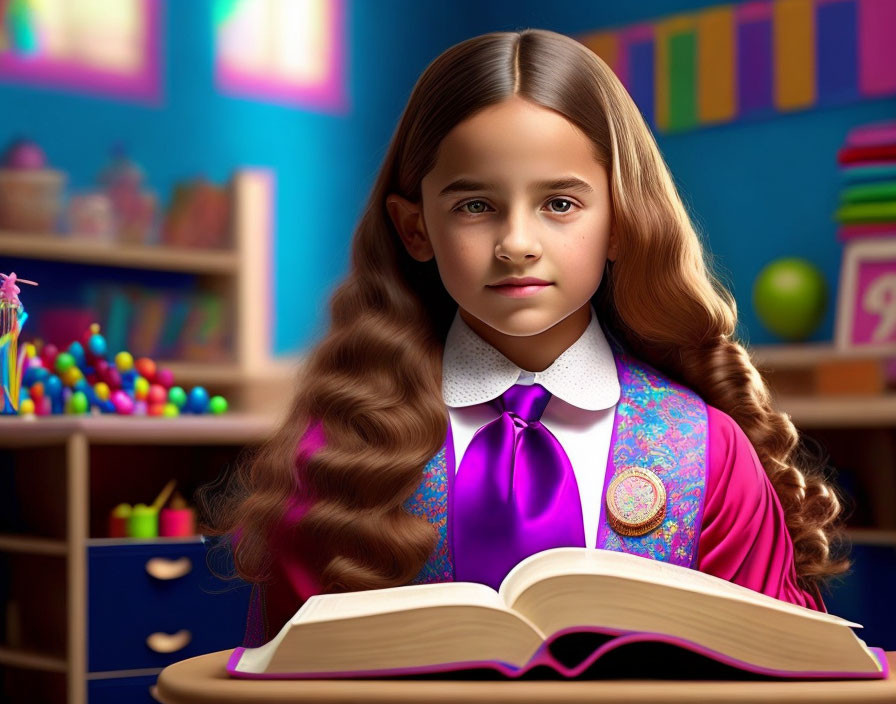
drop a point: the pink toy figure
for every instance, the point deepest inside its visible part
(529, 323)
(9, 292)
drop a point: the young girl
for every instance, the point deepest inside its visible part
(529, 352)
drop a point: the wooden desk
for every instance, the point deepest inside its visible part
(204, 680)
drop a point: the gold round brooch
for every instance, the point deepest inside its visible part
(636, 501)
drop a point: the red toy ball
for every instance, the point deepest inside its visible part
(156, 409)
(165, 377)
(146, 368)
(48, 355)
(157, 394)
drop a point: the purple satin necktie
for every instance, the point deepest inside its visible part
(515, 492)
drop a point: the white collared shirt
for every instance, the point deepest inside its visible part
(580, 413)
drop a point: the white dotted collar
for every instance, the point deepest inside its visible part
(584, 375)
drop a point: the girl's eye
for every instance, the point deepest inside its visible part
(472, 202)
(563, 200)
(478, 206)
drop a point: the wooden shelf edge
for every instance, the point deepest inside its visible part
(32, 660)
(839, 411)
(118, 542)
(82, 250)
(871, 536)
(32, 545)
(789, 356)
(231, 428)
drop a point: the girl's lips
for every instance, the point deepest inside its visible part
(519, 291)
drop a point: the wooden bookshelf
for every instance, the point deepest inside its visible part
(56, 547)
(250, 378)
(83, 250)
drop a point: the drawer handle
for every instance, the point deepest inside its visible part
(167, 643)
(163, 568)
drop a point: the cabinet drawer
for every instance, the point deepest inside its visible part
(161, 590)
(133, 690)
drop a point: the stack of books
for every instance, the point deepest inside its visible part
(868, 200)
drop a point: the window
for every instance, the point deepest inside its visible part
(286, 51)
(95, 46)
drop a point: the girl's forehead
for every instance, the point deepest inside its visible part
(514, 140)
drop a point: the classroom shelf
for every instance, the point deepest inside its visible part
(110, 429)
(68, 473)
(32, 660)
(74, 248)
(791, 356)
(839, 411)
(32, 545)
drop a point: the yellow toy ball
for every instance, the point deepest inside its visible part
(124, 361)
(30, 350)
(141, 388)
(72, 376)
(26, 407)
(170, 411)
(94, 328)
(101, 389)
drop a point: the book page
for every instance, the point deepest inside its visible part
(590, 561)
(332, 607)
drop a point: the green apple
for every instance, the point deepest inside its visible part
(790, 297)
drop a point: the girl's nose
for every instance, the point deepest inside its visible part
(518, 240)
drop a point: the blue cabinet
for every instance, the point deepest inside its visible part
(150, 605)
(132, 690)
(864, 593)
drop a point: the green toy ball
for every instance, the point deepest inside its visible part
(790, 297)
(177, 396)
(64, 362)
(79, 402)
(217, 405)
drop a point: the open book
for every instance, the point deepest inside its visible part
(564, 609)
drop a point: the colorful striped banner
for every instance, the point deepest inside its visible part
(753, 59)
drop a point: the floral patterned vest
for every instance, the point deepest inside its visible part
(659, 424)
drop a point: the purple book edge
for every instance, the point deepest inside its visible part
(543, 657)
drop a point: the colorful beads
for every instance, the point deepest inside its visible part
(81, 379)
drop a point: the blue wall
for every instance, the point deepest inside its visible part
(758, 190)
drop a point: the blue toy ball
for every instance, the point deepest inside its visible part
(35, 374)
(77, 351)
(128, 379)
(97, 345)
(197, 401)
(53, 386)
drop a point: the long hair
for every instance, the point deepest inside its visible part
(374, 379)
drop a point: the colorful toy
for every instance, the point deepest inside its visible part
(178, 520)
(81, 379)
(118, 521)
(12, 318)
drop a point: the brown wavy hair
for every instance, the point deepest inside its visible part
(374, 379)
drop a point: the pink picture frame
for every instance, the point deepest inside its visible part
(143, 86)
(328, 95)
(866, 299)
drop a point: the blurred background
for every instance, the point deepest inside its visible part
(182, 181)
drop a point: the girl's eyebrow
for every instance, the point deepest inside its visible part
(465, 185)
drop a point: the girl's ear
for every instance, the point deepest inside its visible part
(613, 246)
(408, 220)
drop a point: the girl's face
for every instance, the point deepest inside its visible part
(515, 192)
